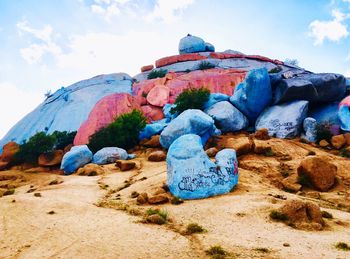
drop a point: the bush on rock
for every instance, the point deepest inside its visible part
(191, 99)
(157, 73)
(123, 132)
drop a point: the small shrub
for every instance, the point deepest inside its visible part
(269, 153)
(323, 131)
(216, 252)
(275, 70)
(293, 62)
(205, 65)
(37, 194)
(157, 73)
(345, 153)
(262, 250)
(278, 216)
(162, 213)
(156, 216)
(123, 132)
(63, 138)
(9, 192)
(304, 180)
(176, 201)
(311, 153)
(51, 212)
(342, 246)
(194, 228)
(134, 194)
(326, 214)
(191, 99)
(38, 144)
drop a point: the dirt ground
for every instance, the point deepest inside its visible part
(95, 217)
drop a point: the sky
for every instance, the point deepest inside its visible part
(46, 44)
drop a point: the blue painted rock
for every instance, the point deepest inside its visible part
(344, 114)
(167, 114)
(153, 129)
(227, 118)
(315, 88)
(67, 108)
(215, 98)
(77, 157)
(309, 126)
(191, 44)
(327, 113)
(209, 47)
(254, 94)
(109, 155)
(192, 175)
(284, 120)
(189, 122)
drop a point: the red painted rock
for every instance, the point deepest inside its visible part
(178, 58)
(9, 150)
(158, 96)
(103, 113)
(146, 68)
(152, 113)
(256, 57)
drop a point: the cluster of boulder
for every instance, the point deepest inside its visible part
(247, 92)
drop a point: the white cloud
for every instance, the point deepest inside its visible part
(15, 104)
(333, 30)
(35, 52)
(168, 11)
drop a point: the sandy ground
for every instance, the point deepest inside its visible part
(239, 221)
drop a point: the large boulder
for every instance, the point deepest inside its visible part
(227, 117)
(104, 112)
(152, 129)
(318, 171)
(192, 175)
(53, 158)
(188, 122)
(9, 150)
(109, 155)
(284, 120)
(158, 95)
(254, 94)
(77, 157)
(191, 44)
(315, 88)
(68, 107)
(344, 114)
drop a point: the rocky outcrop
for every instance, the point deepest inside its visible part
(104, 112)
(67, 108)
(188, 122)
(178, 58)
(77, 157)
(91, 170)
(284, 120)
(110, 155)
(192, 175)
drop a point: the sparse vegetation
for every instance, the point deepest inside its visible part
(304, 180)
(9, 192)
(323, 131)
(176, 201)
(156, 216)
(345, 153)
(123, 132)
(157, 73)
(262, 250)
(193, 228)
(269, 153)
(191, 99)
(342, 246)
(216, 252)
(63, 138)
(311, 153)
(134, 194)
(37, 194)
(278, 216)
(275, 70)
(205, 65)
(326, 214)
(293, 62)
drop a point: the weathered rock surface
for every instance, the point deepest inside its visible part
(91, 170)
(77, 157)
(227, 117)
(157, 156)
(284, 120)
(309, 126)
(192, 175)
(189, 122)
(8, 152)
(51, 159)
(254, 94)
(109, 155)
(125, 165)
(319, 172)
(338, 141)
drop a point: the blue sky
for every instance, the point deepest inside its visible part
(46, 44)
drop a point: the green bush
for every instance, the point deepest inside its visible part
(323, 131)
(157, 73)
(38, 144)
(205, 65)
(123, 132)
(191, 99)
(275, 70)
(63, 138)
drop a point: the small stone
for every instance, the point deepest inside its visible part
(290, 183)
(241, 145)
(152, 142)
(156, 219)
(286, 245)
(211, 152)
(37, 194)
(338, 141)
(262, 134)
(142, 198)
(324, 143)
(261, 147)
(125, 165)
(159, 191)
(157, 156)
(158, 199)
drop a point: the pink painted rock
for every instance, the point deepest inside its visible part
(158, 96)
(103, 113)
(152, 113)
(345, 101)
(146, 68)
(178, 58)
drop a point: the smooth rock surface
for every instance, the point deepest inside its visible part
(215, 98)
(152, 129)
(191, 44)
(77, 157)
(309, 126)
(344, 114)
(188, 122)
(284, 120)
(227, 118)
(192, 175)
(109, 155)
(327, 113)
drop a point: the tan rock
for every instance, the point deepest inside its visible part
(262, 134)
(156, 219)
(242, 145)
(39, 169)
(291, 183)
(125, 165)
(211, 152)
(347, 138)
(159, 191)
(338, 141)
(142, 198)
(318, 171)
(8, 152)
(3, 165)
(152, 142)
(51, 159)
(157, 156)
(324, 143)
(158, 199)
(91, 170)
(261, 147)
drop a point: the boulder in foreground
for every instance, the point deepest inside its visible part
(77, 157)
(109, 155)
